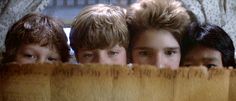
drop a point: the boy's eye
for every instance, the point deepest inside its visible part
(87, 55)
(170, 52)
(112, 53)
(29, 56)
(144, 53)
(210, 65)
(52, 59)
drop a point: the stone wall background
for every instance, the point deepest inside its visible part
(219, 12)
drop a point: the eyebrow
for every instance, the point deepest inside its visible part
(142, 48)
(210, 59)
(148, 48)
(172, 48)
(204, 59)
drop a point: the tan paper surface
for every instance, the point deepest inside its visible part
(155, 84)
(232, 86)
(94, 82)
(20, 83)
(197, 84)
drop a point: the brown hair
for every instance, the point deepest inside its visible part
(157, 14)
(38, 29)
(99, 26)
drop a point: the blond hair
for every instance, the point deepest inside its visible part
(99, 26)
(157, 14)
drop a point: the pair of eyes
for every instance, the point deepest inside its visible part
(32, 56)
(210, 65)
(90, 54)
(151, 53)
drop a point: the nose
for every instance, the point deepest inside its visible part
(41, 60)
(197, 63)
(102, 59)
(159, 61)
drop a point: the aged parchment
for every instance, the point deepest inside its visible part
(95, 82)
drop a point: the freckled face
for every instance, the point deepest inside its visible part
(32, 53)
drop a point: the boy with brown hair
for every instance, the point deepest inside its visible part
(36, 38)
(99, 34)
(156, 28)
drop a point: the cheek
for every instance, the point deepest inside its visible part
(135, 57)
(22, 60)
(141, 60)
(174, 62)
(80, 59)
(121, 58)
(85, 60)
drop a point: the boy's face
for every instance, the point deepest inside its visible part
(33, 53)
(114, 55)
(203, 56)
(156, 47)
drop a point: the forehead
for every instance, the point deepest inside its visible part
(202, 53)
(156, 39)
(38, 48)
(117, 46)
